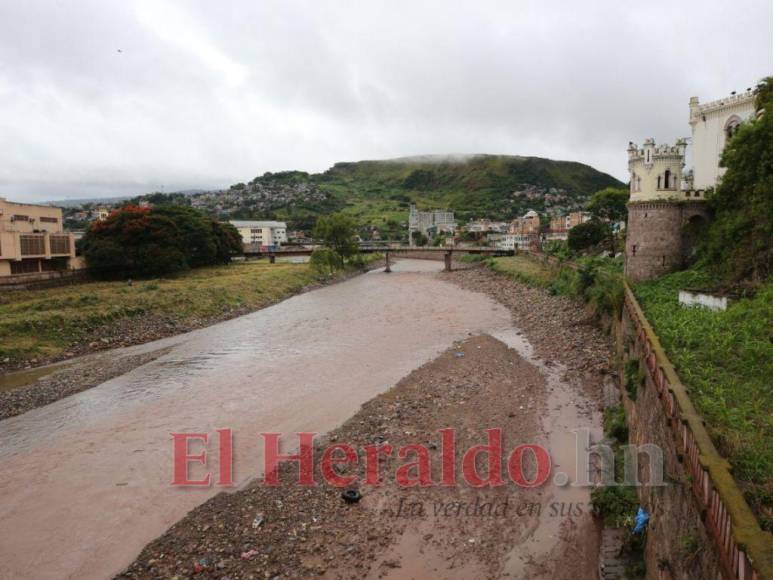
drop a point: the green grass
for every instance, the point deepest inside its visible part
(596, 281)
(47, 322)
(725, 359)
(524, 269)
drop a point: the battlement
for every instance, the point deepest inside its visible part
(698, 110)
(651, 151)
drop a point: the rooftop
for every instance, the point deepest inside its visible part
(257, 224)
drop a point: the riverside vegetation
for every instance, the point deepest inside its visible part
(52, 323)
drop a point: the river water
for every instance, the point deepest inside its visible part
(85, 482)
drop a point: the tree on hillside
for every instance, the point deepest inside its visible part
(589, 234)
(337, 232)
(738, 243)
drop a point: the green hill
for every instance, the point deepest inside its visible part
(493, 186)
(379, 193)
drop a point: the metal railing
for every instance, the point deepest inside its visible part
(32, 244)
(60, 243)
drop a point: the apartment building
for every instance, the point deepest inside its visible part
(33, 240)
(560, 225)
(261, 233)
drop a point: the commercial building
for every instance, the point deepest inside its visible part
(429, 223)
(261, 233)
(33, 240)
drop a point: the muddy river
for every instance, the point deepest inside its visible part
(85, 482)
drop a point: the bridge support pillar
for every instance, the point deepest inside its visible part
(447, 258)
(272, 259)
(386, 259)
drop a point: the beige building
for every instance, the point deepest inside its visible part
(261, 233)
(33, 240)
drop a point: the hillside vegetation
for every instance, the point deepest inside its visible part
(378, 193)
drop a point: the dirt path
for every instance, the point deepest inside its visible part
(538, 394)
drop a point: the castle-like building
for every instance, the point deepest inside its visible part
(667, 206)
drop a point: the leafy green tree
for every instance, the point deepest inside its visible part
(589, 234)
(337, 232)
(325, 261)
(738, 243)
(133, 242)
(609, 204)
(419, 239)
(228, 242)
(138, 242)
(195, 231)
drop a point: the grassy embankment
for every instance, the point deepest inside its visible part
(596, 281)
(45, 323)
(725, 359)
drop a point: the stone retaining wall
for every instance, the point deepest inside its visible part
(701, 525)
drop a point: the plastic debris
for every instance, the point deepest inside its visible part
(258, 521)
(249, 555)
(642, 517)
(459, 354)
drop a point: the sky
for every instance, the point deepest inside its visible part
(121, 97)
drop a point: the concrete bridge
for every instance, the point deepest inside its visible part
(387, 250)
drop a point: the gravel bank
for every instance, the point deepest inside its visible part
(299, 532)
(66, 380)
(559, 328)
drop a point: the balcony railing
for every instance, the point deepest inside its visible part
(60, 244)
(32, 244)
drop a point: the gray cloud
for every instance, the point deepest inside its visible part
(203, 94)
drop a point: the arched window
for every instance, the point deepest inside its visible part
(659, 181)
(731, 127)
(667, 179)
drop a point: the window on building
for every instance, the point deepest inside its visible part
(49, 220)
(667, 179)
(659, 181)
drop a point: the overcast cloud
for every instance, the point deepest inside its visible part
(120, 97)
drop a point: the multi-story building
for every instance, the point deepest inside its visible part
(261, 233)
(430, 222)
(560, 225)
(713, 124)
(33, 240)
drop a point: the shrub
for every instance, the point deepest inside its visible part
(615, 424)
(633, 378)
(325, 261)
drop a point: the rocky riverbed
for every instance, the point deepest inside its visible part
(422, 532)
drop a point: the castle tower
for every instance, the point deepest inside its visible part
(658, 210)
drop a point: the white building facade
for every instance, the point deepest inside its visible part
(261, 233)
(713, 124)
